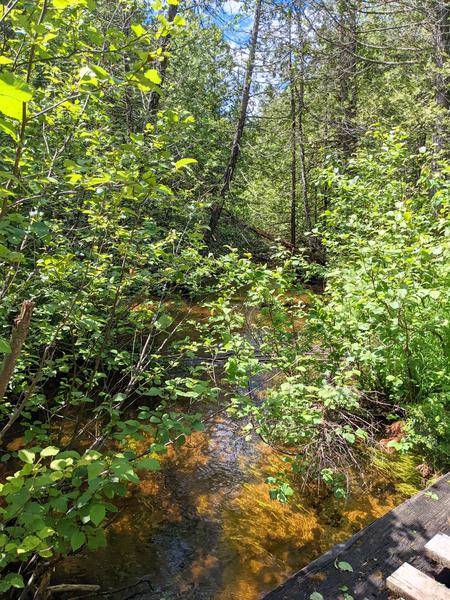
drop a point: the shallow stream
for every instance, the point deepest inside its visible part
(204, 528)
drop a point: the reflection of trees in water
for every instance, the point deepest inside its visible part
(184, 562)
(204, 528)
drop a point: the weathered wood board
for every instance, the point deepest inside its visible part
(411, 584)
(376, 551)
(438, 548)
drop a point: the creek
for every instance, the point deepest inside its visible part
(204, 527)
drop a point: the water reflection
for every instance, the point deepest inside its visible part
(204, 528)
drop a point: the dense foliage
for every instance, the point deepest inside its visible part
(116, 126)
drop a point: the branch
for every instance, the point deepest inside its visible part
(258, 232)
(18, 336)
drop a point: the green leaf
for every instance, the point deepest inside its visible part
(45, 532)
(393, 304)
(61, 463)
(183, 162)
(66, 3)
(316, 596)
(347, 435)
(124, 470)
(97, 513)
(49, 451)
(94, 75)
(153, 391)
(344, 566)
(11, 580)
(149, 464)
(14, 91)
(432, 495)
(287, 490)
(138, 30)
(94, 469)
(100, 73)
(4, 346)
(77, 540)
(59, 503)
(4, 60)
(163, 322)
(153, 76)
(26, 456)
(9, 129)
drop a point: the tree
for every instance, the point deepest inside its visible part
(294, 118)
(217, 207)
(348, 44)
(165, 45)
(300, 88)
(441, 42)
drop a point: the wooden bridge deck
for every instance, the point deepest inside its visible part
(377, 551)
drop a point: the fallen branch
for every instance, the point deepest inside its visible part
(72, 587)
(258, 232)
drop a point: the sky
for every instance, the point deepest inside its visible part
(235, 23)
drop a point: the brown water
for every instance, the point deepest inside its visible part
(204, 528)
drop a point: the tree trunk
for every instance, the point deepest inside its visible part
(293, 116)
(348, 39)
(18, 337)
(165, 43)
(300, 120)
(441, 80)
(217, 207)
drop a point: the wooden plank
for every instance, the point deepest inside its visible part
(438, 548)
(411, 584)
(376, 551)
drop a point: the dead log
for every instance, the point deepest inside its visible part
(259, 232)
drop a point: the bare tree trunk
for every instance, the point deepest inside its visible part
(293, 115)
(165, 43)
(348, 39)
(217, 208)
(441, 80)
(300, 120)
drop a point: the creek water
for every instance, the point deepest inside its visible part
(204, 527)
